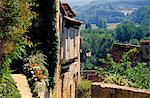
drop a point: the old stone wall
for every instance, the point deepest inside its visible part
(101, 90)
(70, 80)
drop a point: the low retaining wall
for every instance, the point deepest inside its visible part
(102, 90)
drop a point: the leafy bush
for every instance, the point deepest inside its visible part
(125, 73)
(134, 42)
(35, 71)
(16, 20)
(84, 89)
(8, 87)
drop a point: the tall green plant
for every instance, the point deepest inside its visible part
(84, 89)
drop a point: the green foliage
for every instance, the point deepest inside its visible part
(17, 32)
(46, 38)
(88, 25)
(37, 58)
(97, 41)
(126, 32)
(134, 42)
(7, 85)
(125, 73)
(102, 23)
(87, 64)
(16, 20)
(84, 89)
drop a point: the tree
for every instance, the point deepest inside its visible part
(16, 19)
(87, 26)
(134, 42)
(102, 23)
(127, 31)
(99, 42)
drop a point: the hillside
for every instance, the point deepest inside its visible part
(141, 16)
(113, 11)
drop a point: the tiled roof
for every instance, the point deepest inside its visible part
(72, 20)
(67, 10)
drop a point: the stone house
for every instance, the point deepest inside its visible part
(68, 75)
(119, 49)
(142, 54)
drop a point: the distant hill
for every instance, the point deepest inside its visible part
(85, 2)
(110, 10)
(141, 16)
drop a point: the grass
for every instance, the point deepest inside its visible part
(84, 89)
(112, 26)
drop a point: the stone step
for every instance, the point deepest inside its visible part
(22, 85)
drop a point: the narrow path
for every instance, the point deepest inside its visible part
(22, 85)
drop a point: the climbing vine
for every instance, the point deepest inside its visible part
(46, 35)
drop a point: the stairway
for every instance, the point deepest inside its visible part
(22, 85)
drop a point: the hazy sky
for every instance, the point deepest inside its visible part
(77, 2)
(83, 2)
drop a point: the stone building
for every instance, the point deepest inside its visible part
(119, 49)
(142, 54)
(67, 77)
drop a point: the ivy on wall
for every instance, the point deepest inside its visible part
(45, 35)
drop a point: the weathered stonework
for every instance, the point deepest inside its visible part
(142, 55)
(67, 74)
(102, 90)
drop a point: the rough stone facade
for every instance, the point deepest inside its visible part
(67, 77)
(142, 55)
(119, 49)
(101, 90)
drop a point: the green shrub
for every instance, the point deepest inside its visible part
(8, 87)
(84, 89)
(124, 73)
(16, 20)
